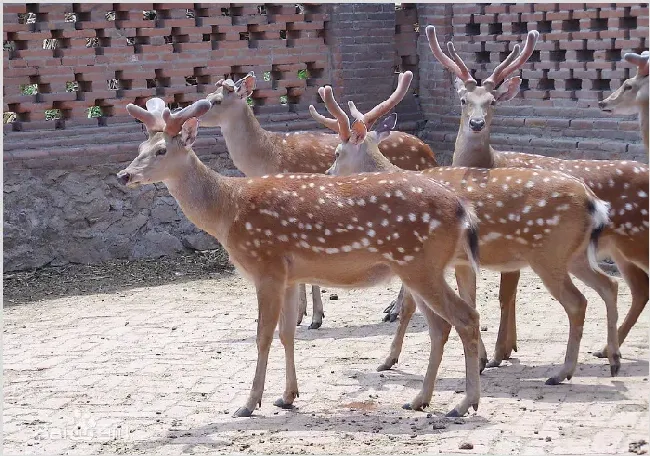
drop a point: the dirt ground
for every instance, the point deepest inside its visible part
(153, 357)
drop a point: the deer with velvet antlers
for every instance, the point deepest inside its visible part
(622, 184)
(542, 219)
(632, 97)
(255, 151)
(287, 229)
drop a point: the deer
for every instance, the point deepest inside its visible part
(285, 229)
(621, 183)
(256, 151)
(542, 219)
(632, 97)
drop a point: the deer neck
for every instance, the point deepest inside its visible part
(374, 161)
(204, 196)
(473, 150)
(247, 142)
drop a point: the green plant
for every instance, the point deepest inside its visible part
(283, 100)
(8, 117)
(29, 89)
(52, 114)
(250, 101)
(94, 111)
(71, 86)
(303, 74)
(267, 75)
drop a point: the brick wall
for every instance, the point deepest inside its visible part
(577, 62)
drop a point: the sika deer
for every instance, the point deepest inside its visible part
(542, 219)
(623, 184)
(632, 96)
(256, 152)
(288, 229)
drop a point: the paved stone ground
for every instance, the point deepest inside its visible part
(159, 370)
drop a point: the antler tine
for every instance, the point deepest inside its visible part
(403, 83)
(333, 107)
(442, 58)
(174, 122)
(511, 63)
(467, 78)
(332, 124)
(640, 60)
(151, 121)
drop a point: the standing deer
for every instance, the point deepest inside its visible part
(542, 219)
(623, 184)
(288, 229)
(632, 96)
(255, 151)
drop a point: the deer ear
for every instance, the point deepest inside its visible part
(189, 131)
(246, 85)
(358, 132)
(509, 89)
(385, 127)
(459, 85)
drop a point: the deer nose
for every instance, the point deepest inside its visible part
(123, 177)
(476, 124)
(602, 104)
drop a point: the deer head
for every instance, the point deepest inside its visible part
(356, 139)
(170, 138)
(478, 101)
(229, 95)
(633, 94)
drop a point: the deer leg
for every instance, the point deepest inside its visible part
(466, 281)
(507, 335)
(318, 311)
(637, 280)
(302, 306)
(395, 307)
(287, 332)
(449, 310)
(408, 309)
(607, 289)
(561, 287)
(270, 297)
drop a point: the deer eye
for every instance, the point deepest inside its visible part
(161, 152)
(626, 87)
(463, 101)
(493, 102)
(337, 153)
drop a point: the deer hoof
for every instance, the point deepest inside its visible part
(553, 381)
(493, 363)
(393, 317)
(283, 405)
(386, 366)
(315, 325)
(615, 368)
(242, 412)
(482, 364)
(601, 354)
(475, 407)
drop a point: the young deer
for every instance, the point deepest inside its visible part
(542, 219)
(623, 184)
(632, 96)
(256, 152)
(288, 229)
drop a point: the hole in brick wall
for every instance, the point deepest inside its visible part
(244, 36)
(113, 84)
(483, 57)
(544, 26)
(283, 34)
(266, 76)
(600, 84)
(95, 111)
(190, 14)
(8, 117)
(558, 56)
(524, 85)
(168, 39)
(225, 11)
(573, 84)
(9, 45)
(598, 24)
(300, 8)
(29, 89)
(261, 9)
(190, 81)
(571, 25)
(473, 29)
(303, 74)
(585, 55)
(535, 57)
(520, 27)
(546, 84)
(151, 83)
(53, 114)
(92, 42)
(283, 100)
(110, 16)
(613, 55)
(130, 41)
(149, 15)
(318, 8)
(495, 29)
(51, 43)
(70, 17)
(627, 22)
(71, 86)
(26, 18)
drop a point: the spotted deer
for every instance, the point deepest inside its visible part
(632, 97)
(622, 184)
(255, 151)
(286, 229)
(542, 219)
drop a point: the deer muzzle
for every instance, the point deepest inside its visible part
(123, 177)
(476, 124)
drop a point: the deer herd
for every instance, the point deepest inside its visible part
(360, 206)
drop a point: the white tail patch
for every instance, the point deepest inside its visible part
(599, 219)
